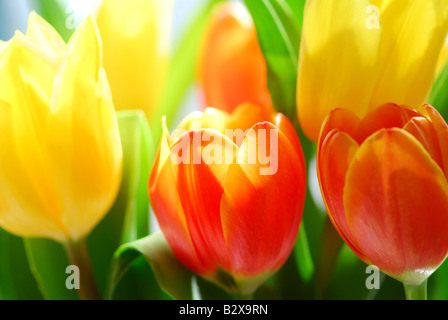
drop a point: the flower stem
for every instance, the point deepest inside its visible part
(416, 292)
(78, 255)
(329, 251)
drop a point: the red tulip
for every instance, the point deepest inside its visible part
(230, 216)
(383, 179)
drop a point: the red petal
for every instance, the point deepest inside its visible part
(333, 160)
(200, 189)
(261, 213)
(397, 205)
(168, 209)
(384, 117)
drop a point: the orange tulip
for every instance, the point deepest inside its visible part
(383, 179)
(230, 220)
(232, 66)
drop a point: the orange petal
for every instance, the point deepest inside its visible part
(200, 177)
(396, 205)
(386, 116)
(285, 126)
(261, 213)
(232, 69)
(442, 131)
(243, 118)
(340, 119)
(424, 131)
(167, 206)
(334, 157)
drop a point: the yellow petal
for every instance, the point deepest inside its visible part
(43, 34)
(27, 203)
(83, 136)
(414, 33)
(136, 40)
(26, 77)
(338, 61)
(443, 58)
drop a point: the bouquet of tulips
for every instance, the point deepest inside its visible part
(312, 165)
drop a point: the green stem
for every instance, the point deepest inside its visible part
(78, 255)
(329, 252)
(416, 292)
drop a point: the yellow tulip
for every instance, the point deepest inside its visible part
(361, 54)
(136, 37)
(60, 155)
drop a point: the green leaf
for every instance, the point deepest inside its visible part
(138, 157)
(183, 69)
(48, 262)
(296, 7)
(437, 283)
(303, 257)
(349, 281)
(279, 37)
(127, 220)
(172, 276)
(16, 280)
(439, 95)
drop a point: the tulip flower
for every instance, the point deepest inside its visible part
(60, 155)
(136, 37)
(384, 182)
(232, 66)
(60, 160)
(359, 55)
(229, 213)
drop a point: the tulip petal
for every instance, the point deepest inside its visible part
(386, 116)
(336, 48)
(168, 208)
(83, 135)
(233, 69)
(136, 50)
(26, 77)
(285, 126)
(397, 206)
(340, 119)
(441, 129)
(334, 157)
(413, 35)
(261, 213)
(24, 209)
(197, 120)
(43, 34)
(200, 185)
(243, 118)
(423, 130)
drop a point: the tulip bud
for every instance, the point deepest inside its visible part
(228, 193)
(384, 182)
(60, 155)
(232, 66)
